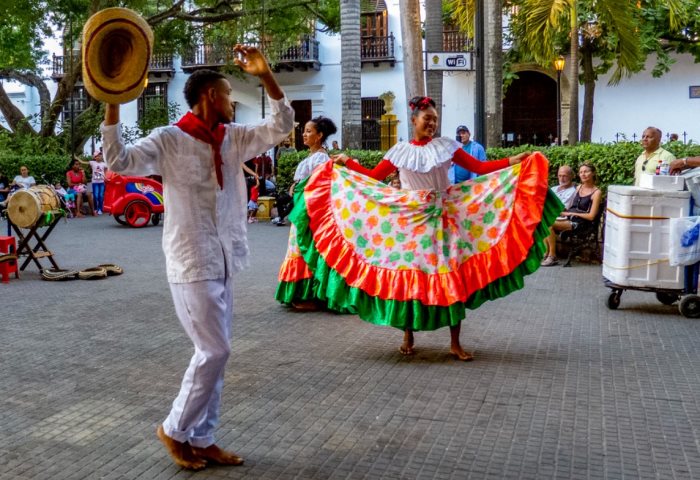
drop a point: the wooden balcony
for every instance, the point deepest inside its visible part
(456, 41)
(160, 63)
(301, 55)
(378, 50)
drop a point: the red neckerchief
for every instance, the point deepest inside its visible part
(192, 125)
(421, 142)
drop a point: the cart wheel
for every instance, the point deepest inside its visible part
(666, 298)
(120, 220)
(155, 218)
(689, 306)
(614, 300)
(137, 213)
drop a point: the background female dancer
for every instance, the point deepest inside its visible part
(294, 276)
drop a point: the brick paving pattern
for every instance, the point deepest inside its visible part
(561, 388)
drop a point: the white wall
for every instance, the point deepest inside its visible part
(642, 101)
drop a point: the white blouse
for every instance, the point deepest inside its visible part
(423, 167)
(308, 165)
(204, 230)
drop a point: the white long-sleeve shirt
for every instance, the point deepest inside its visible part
(203, 224)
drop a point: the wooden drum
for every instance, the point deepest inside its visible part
(27, 207)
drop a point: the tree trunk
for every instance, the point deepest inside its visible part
(588, 92)
(412, 51)
(351, 65)
(493, 63)
(433, 43)
(573, 78)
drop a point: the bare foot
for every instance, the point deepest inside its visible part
(307, 306)
(217, 455)
(459, 352)
(181, 452)
(406, 347)
(79, 215)
(406, 350)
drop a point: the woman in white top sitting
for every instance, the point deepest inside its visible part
(24, 180)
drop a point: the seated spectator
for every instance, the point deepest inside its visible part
(565, 192)
(580, 215)
(24, 180)
(4, 187)
(67, 198)
(270, 186)
(566, 188)
(335, 145)
(75, 177)
(263, 169)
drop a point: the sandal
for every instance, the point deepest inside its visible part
(58, 275)
(92, 273)
(112, 269)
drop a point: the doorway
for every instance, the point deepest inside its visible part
(530, 110)
(302, 114)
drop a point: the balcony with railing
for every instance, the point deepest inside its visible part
(301, 55)
(160, 63)
(456, 41)
(376, 49)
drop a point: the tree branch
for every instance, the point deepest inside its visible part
(14, 116)
(65, 87)
(169, 13)
(33, 80)
(215, 14)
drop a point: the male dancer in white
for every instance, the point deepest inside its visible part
(204, 233)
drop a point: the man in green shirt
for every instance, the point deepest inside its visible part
(649, 159)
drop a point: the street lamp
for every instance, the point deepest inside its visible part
(559, 66)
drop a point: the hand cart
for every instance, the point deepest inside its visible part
(689, 304)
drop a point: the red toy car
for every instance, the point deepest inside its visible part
(138, 199)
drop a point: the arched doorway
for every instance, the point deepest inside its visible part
(530, 110)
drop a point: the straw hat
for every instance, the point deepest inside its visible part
(117, 45)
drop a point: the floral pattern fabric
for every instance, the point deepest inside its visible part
(425, 230)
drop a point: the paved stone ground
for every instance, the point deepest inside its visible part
(561, 388)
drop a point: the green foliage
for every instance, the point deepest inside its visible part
(157, 115)
(614, 162)
(28, 144)
(287, 164)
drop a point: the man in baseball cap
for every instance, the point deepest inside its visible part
(473, 148)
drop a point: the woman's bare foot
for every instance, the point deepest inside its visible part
(181, 452)
(217, 455)
(406, 347)
(459, 352)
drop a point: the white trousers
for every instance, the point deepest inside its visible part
(205, 310)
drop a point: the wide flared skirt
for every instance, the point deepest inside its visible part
(415, 259)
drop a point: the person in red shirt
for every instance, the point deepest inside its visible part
(253, 204)
(75, 176)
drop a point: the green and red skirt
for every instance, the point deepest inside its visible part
(415, 259)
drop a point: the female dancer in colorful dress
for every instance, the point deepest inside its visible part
(295, 278)
(416, 258)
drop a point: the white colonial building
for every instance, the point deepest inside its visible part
(310, 74)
